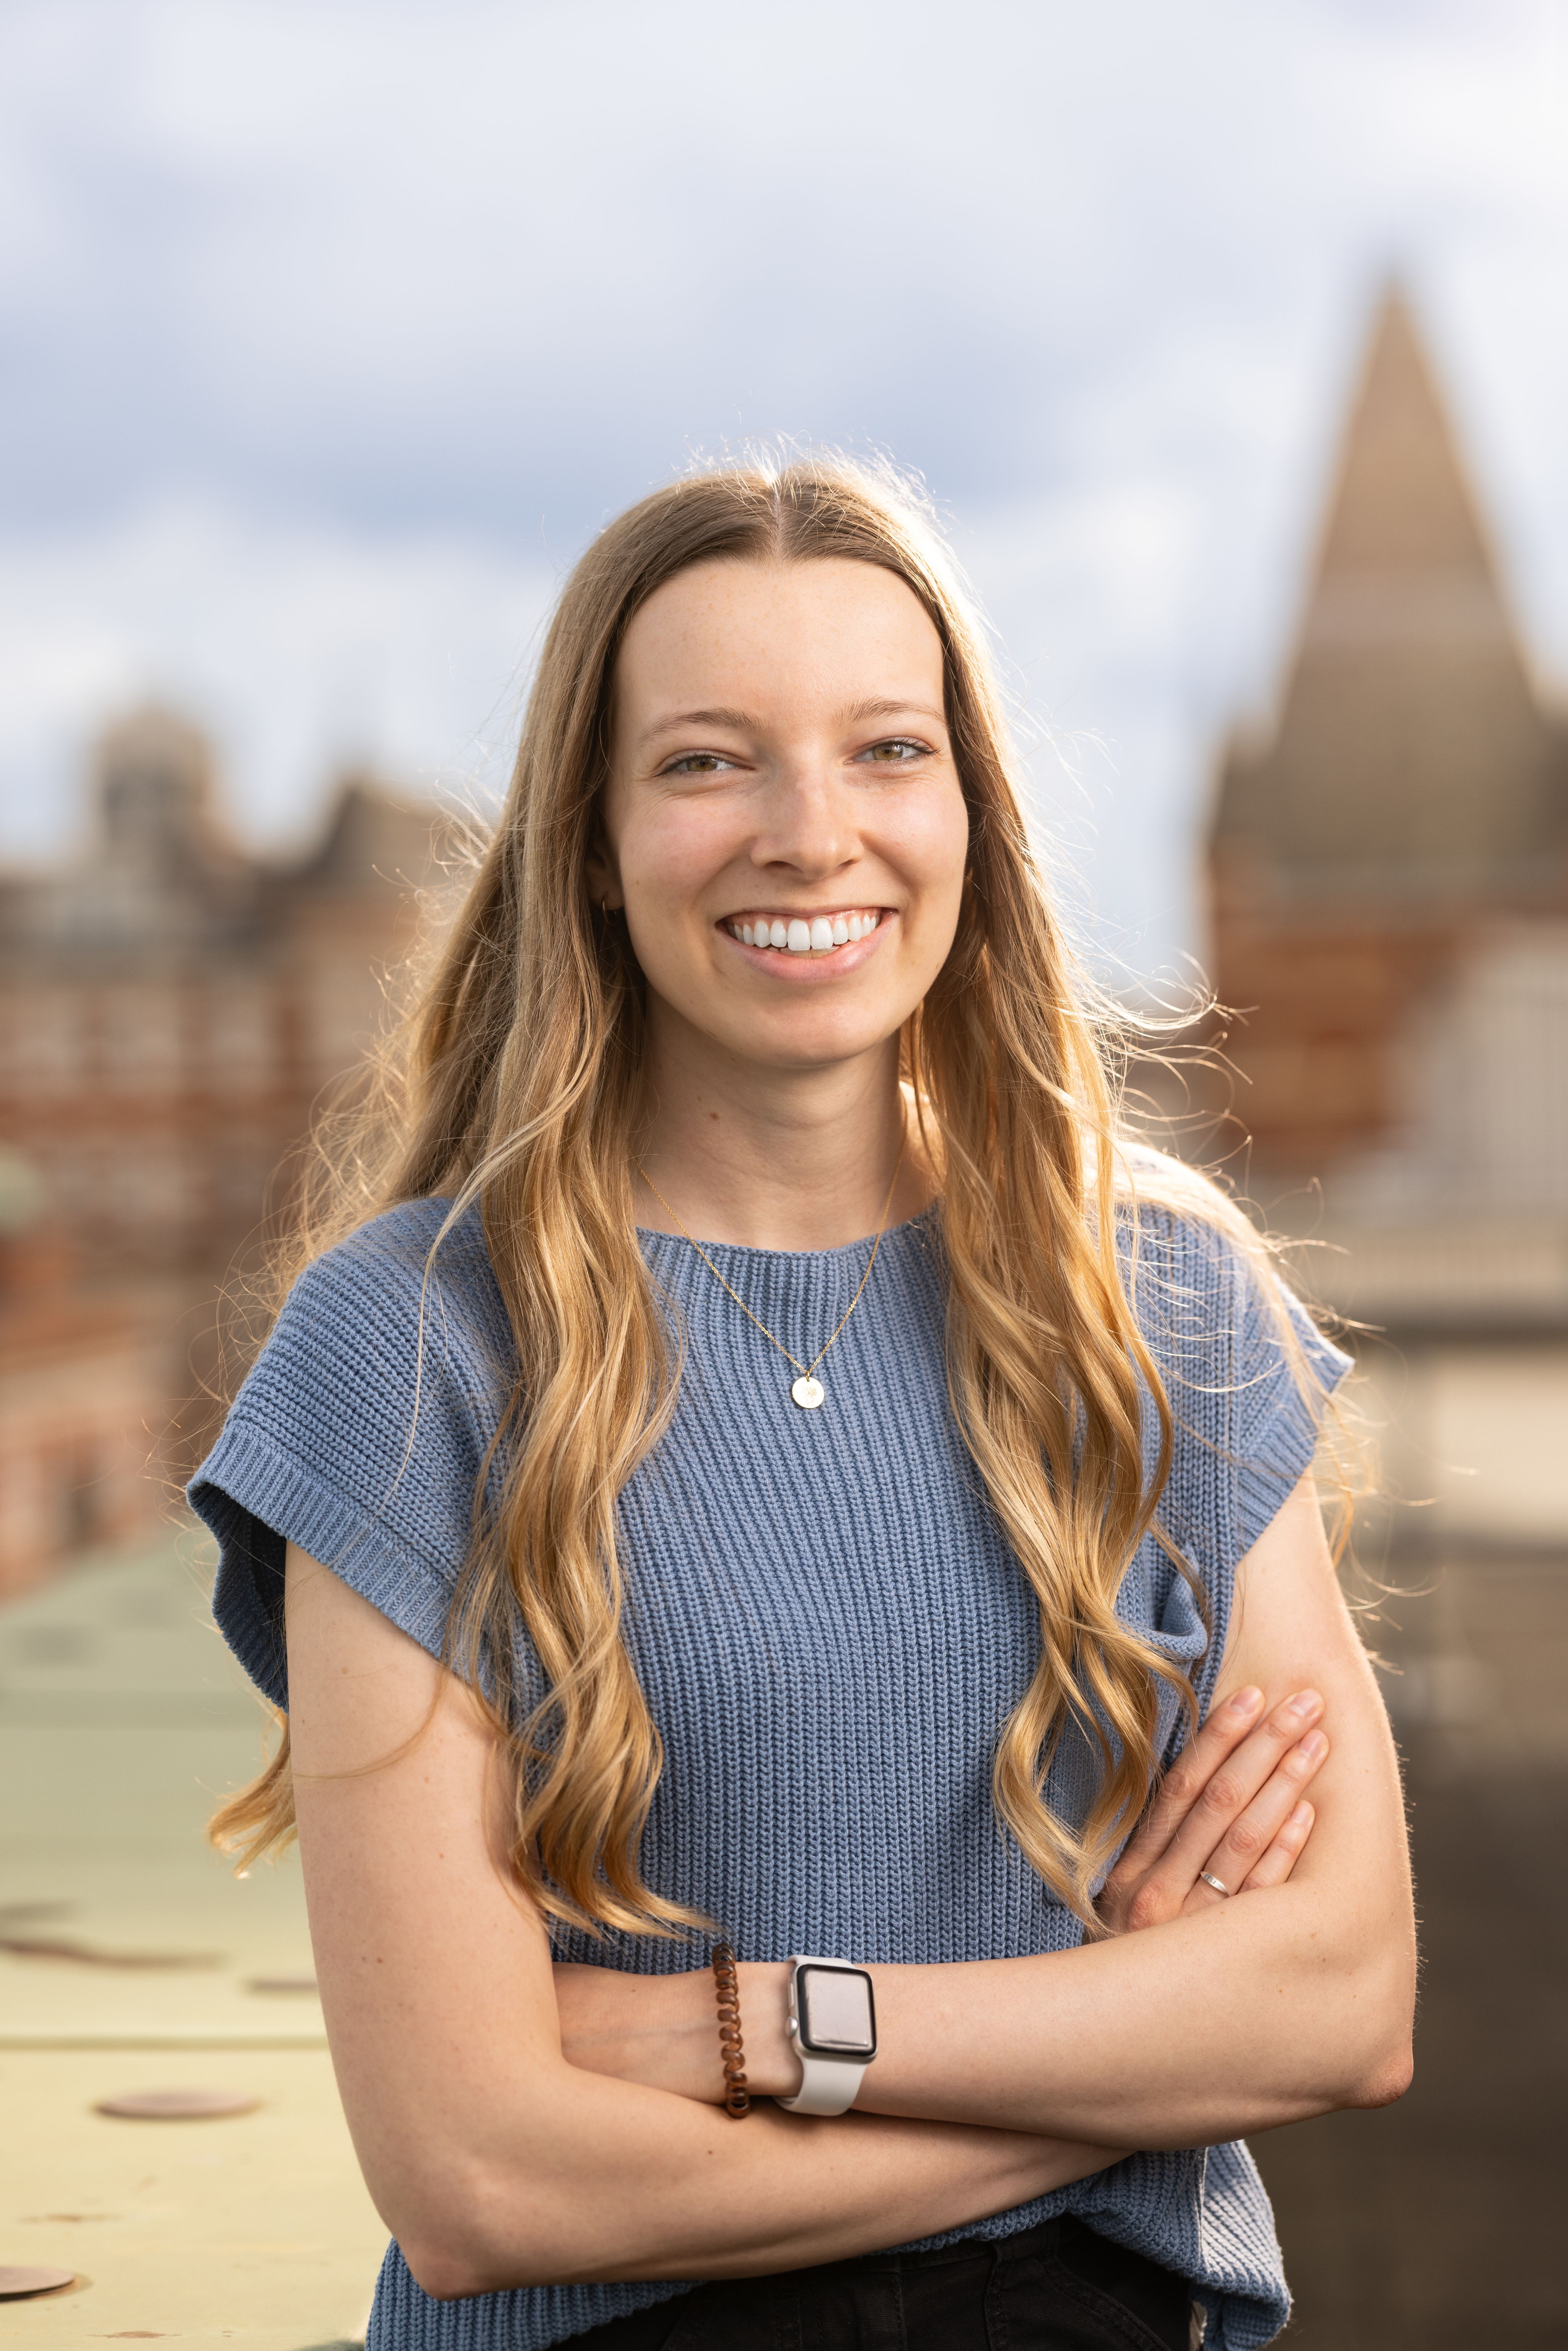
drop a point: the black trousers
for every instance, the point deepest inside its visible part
(1058, 2287)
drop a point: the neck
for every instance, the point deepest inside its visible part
(782, 1159)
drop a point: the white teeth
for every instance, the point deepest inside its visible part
(819, 935)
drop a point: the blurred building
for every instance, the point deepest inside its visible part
(1389, 877)
(76, 1379)
(171, 1008)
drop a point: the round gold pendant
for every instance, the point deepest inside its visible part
(808, 1393)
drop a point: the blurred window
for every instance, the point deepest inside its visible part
(43, 1041)
(143, 1037)
(151, 1189)
(241, 1040)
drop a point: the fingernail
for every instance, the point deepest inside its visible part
(1305, 1702)
(1246, 1701)
(1301, 1818)
(1314, 1747)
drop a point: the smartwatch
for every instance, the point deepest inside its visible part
(833, 2030)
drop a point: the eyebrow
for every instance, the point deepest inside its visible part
(743, 722)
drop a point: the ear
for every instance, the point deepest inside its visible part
(601, 872)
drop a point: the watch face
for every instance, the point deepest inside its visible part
(836, 2019)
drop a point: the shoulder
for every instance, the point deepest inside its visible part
(1208, 1295)
(411, 1244)
(390, 1363)
(414, 1281)
(1248, 1374)
(361, 1431)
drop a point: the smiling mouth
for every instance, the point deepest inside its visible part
(804, 935)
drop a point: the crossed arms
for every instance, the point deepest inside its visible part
(523, 2124)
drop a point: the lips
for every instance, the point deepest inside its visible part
(803, 935)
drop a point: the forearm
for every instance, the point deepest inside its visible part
(1246, 2016)
(610, 2179)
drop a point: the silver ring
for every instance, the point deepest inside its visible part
(1218, 1883)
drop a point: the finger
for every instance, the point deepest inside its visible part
(1253, 1831)
(1209, 1787)
(1235, 1861)
(1217, 1737)
(1193, 1768)
(1231, 1789)
(1273, 1867)
(1162, 1883)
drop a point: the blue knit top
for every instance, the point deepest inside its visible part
(827, 1623)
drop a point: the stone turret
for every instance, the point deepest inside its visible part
(154, 791)
(1412, 786)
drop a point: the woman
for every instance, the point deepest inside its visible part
(765, 1455)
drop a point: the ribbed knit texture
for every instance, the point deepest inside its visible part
(826, 1619)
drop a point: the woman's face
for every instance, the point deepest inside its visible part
(781, 766)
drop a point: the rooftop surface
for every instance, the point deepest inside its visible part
(132, 1958)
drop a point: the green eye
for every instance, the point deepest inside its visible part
(697, 763)
(897, 751)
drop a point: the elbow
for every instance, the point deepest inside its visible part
(444, 2269)
(1381, 2061)
(451, 2265)
(470, 2234)
(1370, 2017)
(1385, 2079)
(499, 2233)
(448, 2253)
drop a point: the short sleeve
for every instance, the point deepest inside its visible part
(1247, 1375)
(359, 1434)
(1282, 1373)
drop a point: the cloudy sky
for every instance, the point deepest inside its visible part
(329, 330)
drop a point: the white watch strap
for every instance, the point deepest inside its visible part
(828, 2086)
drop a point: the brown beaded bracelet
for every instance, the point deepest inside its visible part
(732, 2054)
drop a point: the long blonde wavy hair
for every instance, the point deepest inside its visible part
(513, 1081)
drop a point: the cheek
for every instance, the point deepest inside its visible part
(674, 854)
(933, 845)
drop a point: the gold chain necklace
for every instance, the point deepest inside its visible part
(808, 1391)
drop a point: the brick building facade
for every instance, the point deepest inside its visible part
(171, 1008)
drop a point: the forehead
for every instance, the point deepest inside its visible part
(827, 626)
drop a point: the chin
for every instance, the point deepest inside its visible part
(806, 1043)
(819, 1049)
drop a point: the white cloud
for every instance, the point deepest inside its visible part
(334, 327)
(299, 648)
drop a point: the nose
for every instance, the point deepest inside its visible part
(808, 822)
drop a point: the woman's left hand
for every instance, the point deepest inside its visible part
(1231, 1806)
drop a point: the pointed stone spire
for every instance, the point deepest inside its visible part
(1411, 762)
(1401, 509)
